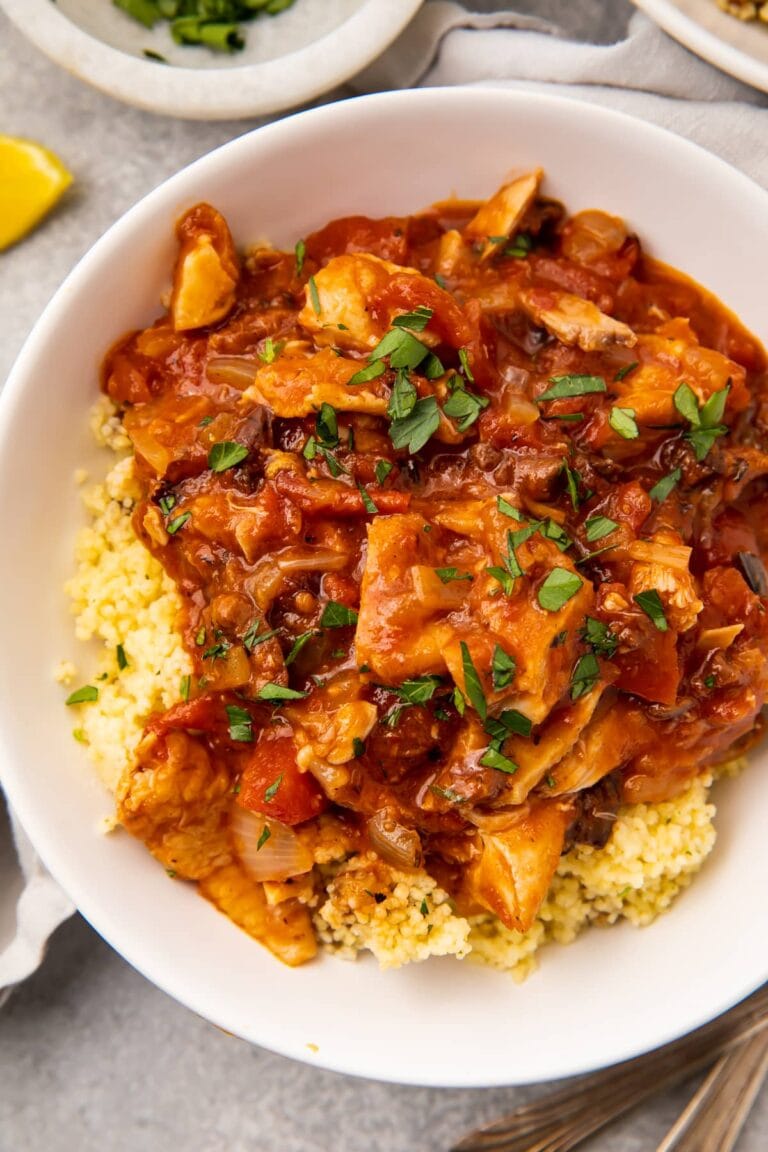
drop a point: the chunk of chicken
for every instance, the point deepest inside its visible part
(286, 929)
(502, 213)
(344, 288)
(513, 872)
(298, 385)
(661, 565)
(176, 800)
(575, 321)
(615, 734)
(207, 270)
(536, 759)
(665, 360)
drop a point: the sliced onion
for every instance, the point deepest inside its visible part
(281, 854)
(396, 844)
(520, 408)
(314, 560)
(722, 638)
(236, 371)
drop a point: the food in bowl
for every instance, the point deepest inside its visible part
(745, 9)
(430, 578)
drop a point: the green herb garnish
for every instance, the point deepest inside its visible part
(558, 588)
(271, 792)
(472, 685)
(178, 523)
(651, 604)
(663, 487)
(503, 668)
(337, 615)
(623, 422)
(585, 675)
(416, 320)
(414, 430)
(599, 526)
(240, 724)
(273, 691)
(300, 251)
(493, 758)
(122, 659)
(265, 835)
(370, 372)
(382, 470)
(448, 575)
(85, 695)
(563, 387)
(705, 421)
(226, 454)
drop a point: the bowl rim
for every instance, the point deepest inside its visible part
(57, 860)
(707, 44)
(212, 93)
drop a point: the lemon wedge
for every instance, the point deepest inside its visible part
(32, 179)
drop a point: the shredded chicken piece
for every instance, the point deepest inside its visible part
(575, 321)
(285, 928)
(676, 587)
(207, 270)
(502, 213)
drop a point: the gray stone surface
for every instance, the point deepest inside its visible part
(92, 1057)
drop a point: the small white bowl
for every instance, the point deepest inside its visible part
(288, 59)
(613, 993)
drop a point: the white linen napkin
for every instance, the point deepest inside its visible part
(646, 74)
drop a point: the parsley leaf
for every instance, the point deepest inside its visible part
(465, 368)
(327, 426)
(402, 347)
(297, 646)
(464, 407)
(265, 835)
(510, 722)
(585, 675)
(376, 368)
(226, 454)
(185, 685)
(599, 637)
(417, 691)
(300, 252)
(572, 483)
(558, 588)
(314, 296)
(414, 430)
(122, 659)
(368, 503)
(178, 522)
(663, 487)
(271, 792)
(273, 691)
(240, 724)
(382, 470)
(508, 509)
(85, 695)
(599, 526)
(416, 320)
(493, 758)
(651, 604)
(337, 615)
(472, 684)
(503, 668)
(459, 702)
(705, 421)
(503, 577)
(447, 575)
(565, 386)
(252, 639)
(625, 371)
(623, 422)
(271, 351)
(403, 397)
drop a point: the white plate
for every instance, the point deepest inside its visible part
(613, 993)
(739, 48)
(288, 59)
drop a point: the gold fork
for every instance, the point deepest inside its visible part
(561, 1120)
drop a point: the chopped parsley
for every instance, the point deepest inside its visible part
(370, 372)
(651, 604)
(252, 638)
(167, 504)
(465, 368)
(599, 637)
(446, 794)
(705, 421)
(563, 387)
(599, 526)
(314, 296)
(122, 659)
(240, 724)
(503, 668)
(414, 430)
(273, 691)
(271, 792)
(226, 454)
(358, 747)
(368, 503)
(625, 371)
(507, 582)
(217, 651)
(403, 397)
(493, 758)
(382, 470)
(508, 509)
(510, 722)
(337, 615)
(177, 523)
(572, 483)
(416, 320)
(184, 687)
(300, 251)
(558, 588)
(663, 487)
(85, 695)
(265, 835)
(472, 685)
(271, 351)
(417, 691)
(623, 422)
(200, 636)
(585, 675)
(448, 575)
(464, 407)
(459, 702)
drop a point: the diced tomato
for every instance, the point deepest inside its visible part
(272, 784)
(201, 714)
(387, 239)
(652, 671)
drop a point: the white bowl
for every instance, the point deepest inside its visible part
(288, 60)
(736, 46)
(613, 993)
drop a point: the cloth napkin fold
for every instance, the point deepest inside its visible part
(646, 74)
